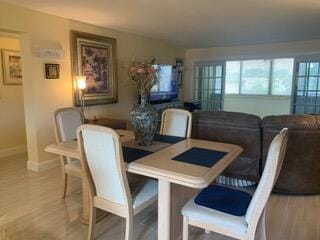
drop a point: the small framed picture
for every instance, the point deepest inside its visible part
(52, 71)
(12, 67)
(179, 66)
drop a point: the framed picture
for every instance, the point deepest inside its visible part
(94, 56)
(179, 66)
(52, 71)
(12, 68)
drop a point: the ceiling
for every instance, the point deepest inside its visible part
(195, 23)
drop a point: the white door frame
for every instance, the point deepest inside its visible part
(297, 60)
(214, 63)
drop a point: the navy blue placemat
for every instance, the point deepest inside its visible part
(167, 138)
(132, 154)
(200, 156)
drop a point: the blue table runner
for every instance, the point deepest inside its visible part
(227, 200)
(167, 138)
(132, 154)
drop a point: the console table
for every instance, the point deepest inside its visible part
(110, 122)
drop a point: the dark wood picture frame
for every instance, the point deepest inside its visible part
(52, 70)
(94, 56)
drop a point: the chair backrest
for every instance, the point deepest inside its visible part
(176, 122)
(269, 176)
(67, 120)
(103, 165)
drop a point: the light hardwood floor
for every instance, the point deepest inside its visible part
(31, 209)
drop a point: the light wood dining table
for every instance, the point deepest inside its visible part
(170, 173)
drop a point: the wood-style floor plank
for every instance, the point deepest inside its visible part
(31, 209)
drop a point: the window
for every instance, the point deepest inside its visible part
(260, 77)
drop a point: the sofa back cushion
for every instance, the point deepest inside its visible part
(301, 166)
(236, 128)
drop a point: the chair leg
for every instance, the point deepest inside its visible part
(129, 228)
(64, 177)
(65, 183)
(261, 228)
(185, 234)
(92, 223)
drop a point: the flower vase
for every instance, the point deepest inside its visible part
(143, 120)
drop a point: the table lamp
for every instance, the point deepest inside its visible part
(81, 83)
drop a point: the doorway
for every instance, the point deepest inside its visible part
(306, 88)
(209, 85)
(12, 117)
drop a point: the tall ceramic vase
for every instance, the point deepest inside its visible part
(144, 122)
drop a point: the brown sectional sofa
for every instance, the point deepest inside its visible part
(300, 173)
(237, 128)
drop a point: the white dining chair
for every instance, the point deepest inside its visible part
(232, 212)
(104, 169)
(67, 120)
(176, 122)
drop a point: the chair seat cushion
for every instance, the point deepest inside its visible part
(227, 200)
(144, 194)
(218, 220)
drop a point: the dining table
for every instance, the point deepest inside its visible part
(182, 166)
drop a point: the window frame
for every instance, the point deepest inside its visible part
(270, 80)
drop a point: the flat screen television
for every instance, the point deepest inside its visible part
(166, 89)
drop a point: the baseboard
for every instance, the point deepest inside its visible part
(42, 166)
(7, 152)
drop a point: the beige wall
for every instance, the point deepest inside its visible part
(12, 121)
(42, 96)
(259, 105)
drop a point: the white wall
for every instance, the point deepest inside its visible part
(259, 105)
(42, 97)
(12, 121)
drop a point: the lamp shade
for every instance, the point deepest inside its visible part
(81, 82)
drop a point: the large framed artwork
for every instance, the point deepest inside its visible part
(94, 56)
(12, 68)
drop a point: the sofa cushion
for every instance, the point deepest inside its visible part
(236, 128)
(301, 165)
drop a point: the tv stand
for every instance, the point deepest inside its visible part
(163, 106)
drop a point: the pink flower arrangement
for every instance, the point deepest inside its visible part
(144, 74)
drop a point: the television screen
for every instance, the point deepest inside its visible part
(167, 87)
